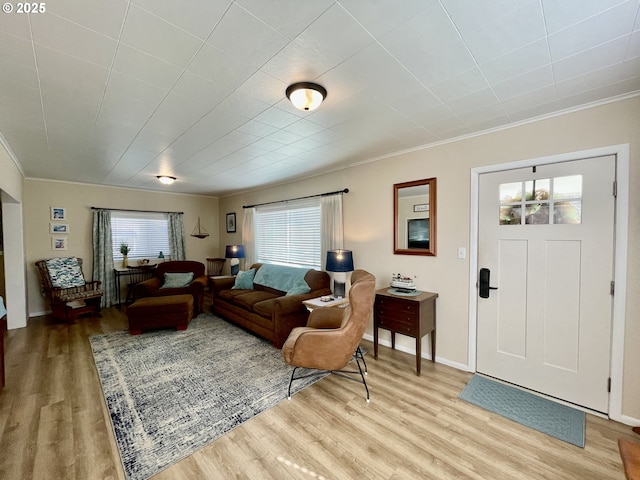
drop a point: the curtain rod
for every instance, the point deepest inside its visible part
(130, 210)
(338, 192)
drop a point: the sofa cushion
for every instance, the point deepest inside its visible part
(299, 288)
(281, 277)
(244, 280)
(248, 299)
(177, 280)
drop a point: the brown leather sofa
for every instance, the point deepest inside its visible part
(154, 286)
(266, 311)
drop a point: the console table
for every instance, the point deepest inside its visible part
(411, 315)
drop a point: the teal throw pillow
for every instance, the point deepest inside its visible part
(244, 280)
(177, 280)
(299, 287)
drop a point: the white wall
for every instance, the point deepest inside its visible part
(11, 182)
(368, 216)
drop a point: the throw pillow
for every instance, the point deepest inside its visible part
(177, 280)
(244, 280)
(299, 287)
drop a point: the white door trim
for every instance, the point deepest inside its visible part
(620, 262)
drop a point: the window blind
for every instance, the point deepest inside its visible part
(146, 233)
(289, 234)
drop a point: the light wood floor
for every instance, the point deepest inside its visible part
(53, 425)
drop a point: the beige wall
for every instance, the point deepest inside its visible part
(77, 199)
(368, 216)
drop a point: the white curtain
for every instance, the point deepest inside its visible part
(248, 237)
(332, 227)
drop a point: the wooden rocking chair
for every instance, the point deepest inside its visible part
(69, 294)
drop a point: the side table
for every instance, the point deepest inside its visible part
(318, 303)
(412, 315)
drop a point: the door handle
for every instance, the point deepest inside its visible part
(484, 283)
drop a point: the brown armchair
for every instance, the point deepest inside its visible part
(332, 335)
(69, 294)
(156, 287)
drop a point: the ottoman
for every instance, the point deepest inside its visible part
(160, 312)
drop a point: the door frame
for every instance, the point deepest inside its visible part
(620, 257)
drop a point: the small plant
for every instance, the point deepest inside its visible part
(124, 249)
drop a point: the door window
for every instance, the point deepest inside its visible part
(544, 201)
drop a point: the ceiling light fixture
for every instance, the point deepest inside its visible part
(167, 180)
(306, 96)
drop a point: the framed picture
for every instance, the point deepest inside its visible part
(58, 243)
(418, 233)
(231, 222)
(423, 207)
(58, 213)
(58, 228)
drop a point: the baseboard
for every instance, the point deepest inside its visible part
(426, 356)
(39, 314)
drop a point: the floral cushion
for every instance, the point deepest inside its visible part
(65, 272)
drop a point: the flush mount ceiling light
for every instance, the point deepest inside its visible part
(167, 180)
(306, 96)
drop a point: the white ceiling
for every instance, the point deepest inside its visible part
(115, 92)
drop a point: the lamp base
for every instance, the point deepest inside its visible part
(338, 289)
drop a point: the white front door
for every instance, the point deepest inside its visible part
(546, 237)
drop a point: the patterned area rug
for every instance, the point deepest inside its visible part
(533, 411)
(170, 393)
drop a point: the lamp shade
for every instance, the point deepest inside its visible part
(234, 251)
(306, 96)
(339, 261)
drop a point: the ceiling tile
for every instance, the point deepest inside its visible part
(197, 18)
(298, 14)
(522, 84)
(15, 24)
(460, 85)
(16, 49)
(155, 36)
(518, 62)
(492, 35)
(429, 46)
(593, 31)
(103, 16)
(592, 59)
(137, 64)
(238, 33)
(563, 14)
(386, 15)
(215, 65)
(72, 39)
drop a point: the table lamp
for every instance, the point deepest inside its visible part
(339, 262)
(234, 252)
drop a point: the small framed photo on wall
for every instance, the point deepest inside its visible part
(58, 243)
(58, 228)
(231, 222)
(58, 213)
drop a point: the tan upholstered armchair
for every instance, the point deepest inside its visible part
(332, 335)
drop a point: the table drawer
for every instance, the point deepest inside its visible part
(397, 304)
(397, 325)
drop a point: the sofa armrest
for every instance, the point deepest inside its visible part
(288, 304)
(199, 284)
(220, 283)
(147, 288)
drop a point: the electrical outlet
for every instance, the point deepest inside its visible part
(462, 252)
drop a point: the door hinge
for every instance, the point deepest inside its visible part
(609, 385)
(615, 188)
(613, 287)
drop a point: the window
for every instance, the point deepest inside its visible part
(146, 233)
(545, 201)
(289, 234)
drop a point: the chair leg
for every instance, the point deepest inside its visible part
(360, 355)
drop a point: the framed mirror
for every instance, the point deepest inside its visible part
(414, 217)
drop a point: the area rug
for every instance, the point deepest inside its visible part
(170, 393)
(546, 416)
